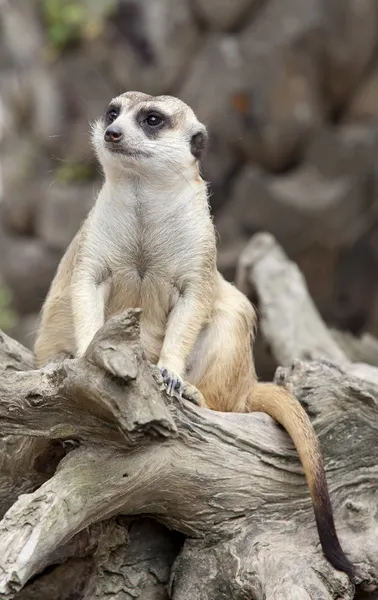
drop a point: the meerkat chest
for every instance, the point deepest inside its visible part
(147, 252)
(146, 255)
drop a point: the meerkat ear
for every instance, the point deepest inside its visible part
(198, 143)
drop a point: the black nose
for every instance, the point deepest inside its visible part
(113, 134)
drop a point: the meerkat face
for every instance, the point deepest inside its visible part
(157, 133)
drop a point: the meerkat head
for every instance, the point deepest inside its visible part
(149, 133)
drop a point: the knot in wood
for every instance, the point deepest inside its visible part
(35, 399)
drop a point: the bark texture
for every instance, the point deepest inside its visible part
(111, 489)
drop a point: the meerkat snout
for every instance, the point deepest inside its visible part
(113, 134)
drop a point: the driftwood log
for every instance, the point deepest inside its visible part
(111, 489)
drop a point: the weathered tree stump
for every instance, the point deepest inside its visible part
(91, 444)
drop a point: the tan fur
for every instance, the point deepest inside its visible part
(149, 242)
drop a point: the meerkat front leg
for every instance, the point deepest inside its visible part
(88, 306)
(184, 325)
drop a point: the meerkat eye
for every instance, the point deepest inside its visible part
(153, 120)
(111, 114)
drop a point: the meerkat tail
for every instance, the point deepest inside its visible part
(286, 409)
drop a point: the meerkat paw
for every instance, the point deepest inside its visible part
(185, 390)
(190, 392)
(173, 382)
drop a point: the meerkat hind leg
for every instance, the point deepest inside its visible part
(191, 393)
(222, 364)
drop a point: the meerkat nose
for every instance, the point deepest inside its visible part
(113, 134)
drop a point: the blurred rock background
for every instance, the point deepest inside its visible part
(288, 89)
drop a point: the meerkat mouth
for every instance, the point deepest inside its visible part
(128, 152)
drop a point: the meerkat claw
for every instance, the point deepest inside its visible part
(183, 389)
(172, 381)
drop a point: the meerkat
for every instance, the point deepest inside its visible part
(149, 242)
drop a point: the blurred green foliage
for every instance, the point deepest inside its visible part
(8, 317)
(75, 173)
(64, 20)
(69, 21)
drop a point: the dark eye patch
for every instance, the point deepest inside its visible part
(152, 121)
(198, 144)
(112, 113)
